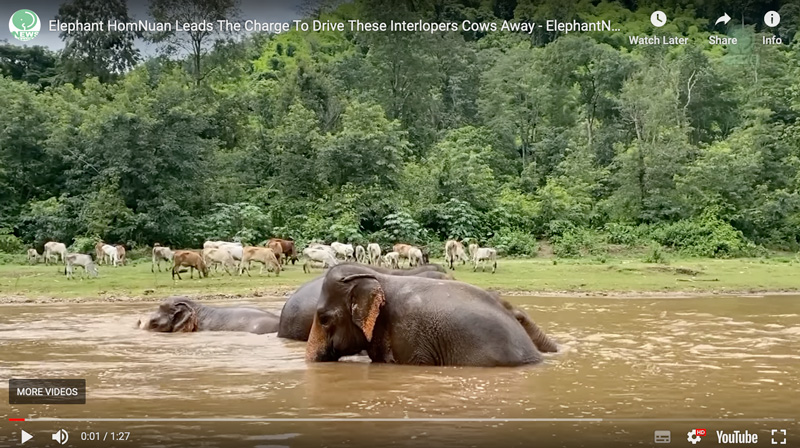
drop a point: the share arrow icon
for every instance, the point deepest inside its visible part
(724, 19)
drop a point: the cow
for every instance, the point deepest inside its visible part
(287, 247)
(415, 257)
(374, 254)
(83, 260)
(404, 251)
(345, 251)
(99, 255)
(485, 254)
(472, 248)
(121, 254)
(33, 256)
(160, 253)
(56, 250)
(392, 260)
(318, 255)
(263, 255)
(454, 251)
(219, 256)
(361, 254)
(110, 254)
(190, 259)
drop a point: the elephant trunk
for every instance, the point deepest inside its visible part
(317, 343)
(539, 338)
(542, 342)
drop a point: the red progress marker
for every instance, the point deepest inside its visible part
(16, 419)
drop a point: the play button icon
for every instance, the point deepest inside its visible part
(25, 436)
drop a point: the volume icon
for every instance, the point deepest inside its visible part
(61, 437)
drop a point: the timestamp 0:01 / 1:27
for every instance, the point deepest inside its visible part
(108, 435)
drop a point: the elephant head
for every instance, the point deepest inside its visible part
(174, 315)
(347, 310)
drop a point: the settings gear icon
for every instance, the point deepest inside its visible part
(693, 437)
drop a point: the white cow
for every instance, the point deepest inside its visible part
(392, 259)
(33, 256)
(110, 254)
(82, 260)
(219, 256)
(318, 256)
(324, 247)
(454, 251)
(472, 248)
(374, 252)
(485, 254)
(414, 257)
(56, 250)
(217, 244)
(361, 254)
(160, 253)
(345, 251)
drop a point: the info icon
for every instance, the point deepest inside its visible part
(662, 436)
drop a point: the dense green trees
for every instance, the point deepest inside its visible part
(506, 138)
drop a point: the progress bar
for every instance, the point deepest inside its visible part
(393, 420)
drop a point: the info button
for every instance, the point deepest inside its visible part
(46, 391)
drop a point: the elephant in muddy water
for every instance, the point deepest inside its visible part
(298, 311)
(180, 314)
(419, 321)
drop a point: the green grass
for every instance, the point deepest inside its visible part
(614, 275)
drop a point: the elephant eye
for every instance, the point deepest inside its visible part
(325, 319)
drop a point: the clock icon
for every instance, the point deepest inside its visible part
(658, 19)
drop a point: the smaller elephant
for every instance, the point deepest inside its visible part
(180, 314)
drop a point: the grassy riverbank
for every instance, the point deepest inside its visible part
(614, 276)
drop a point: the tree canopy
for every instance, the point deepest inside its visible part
(501, 137)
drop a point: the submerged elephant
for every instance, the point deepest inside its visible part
(419, 321)
(179, 314)
(298, 311)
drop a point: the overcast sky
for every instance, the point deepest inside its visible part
(263, 11)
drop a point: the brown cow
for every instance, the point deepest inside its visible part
(405, 251)
(98, 252)
(121, 253)
(190, 259)
(287, 249)
(263, 255)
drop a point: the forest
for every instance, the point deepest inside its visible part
(581, 140)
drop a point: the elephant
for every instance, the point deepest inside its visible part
(180, 314)
(419, 321)
(298, 311)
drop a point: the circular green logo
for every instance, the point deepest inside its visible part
(24, 25)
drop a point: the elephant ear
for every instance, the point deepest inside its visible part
(366, 300)
(184, 318)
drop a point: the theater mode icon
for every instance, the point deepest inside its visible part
(662, 436)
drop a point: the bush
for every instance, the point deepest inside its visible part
(656, 255)
(402, 228)
(705, 236)
(510, 242)
(577, 242)
(84, 245)
(9, 243)
(621, 234)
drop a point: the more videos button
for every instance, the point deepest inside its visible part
(46, 391)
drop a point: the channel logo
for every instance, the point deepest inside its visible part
(695, 435)
(24, 25)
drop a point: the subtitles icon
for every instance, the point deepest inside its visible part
(662, 436)
(695, 435)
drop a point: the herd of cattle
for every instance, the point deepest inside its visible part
(235, 257)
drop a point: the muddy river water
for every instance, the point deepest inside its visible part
(628, 367)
